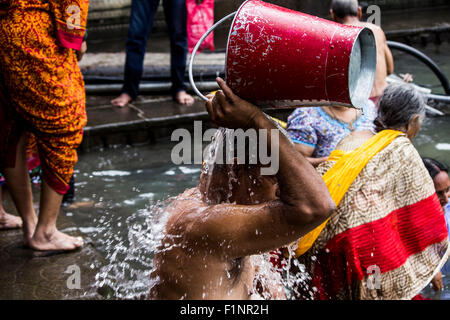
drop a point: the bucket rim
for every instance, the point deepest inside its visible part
(229, 35)
(352, 97)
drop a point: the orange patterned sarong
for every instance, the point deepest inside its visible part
(41, 86)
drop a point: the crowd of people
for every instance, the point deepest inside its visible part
(352, 197)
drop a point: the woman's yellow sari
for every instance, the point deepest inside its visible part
(388, 236)
(340, 177)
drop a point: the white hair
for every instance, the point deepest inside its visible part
(399, 103)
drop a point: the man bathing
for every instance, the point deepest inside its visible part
(348, 12)
(214, 228)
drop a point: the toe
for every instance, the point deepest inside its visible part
(10, 222)
(79, 242)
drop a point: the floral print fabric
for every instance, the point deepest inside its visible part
(314, 127)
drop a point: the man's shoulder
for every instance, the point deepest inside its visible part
(184, 209)
(375, 29)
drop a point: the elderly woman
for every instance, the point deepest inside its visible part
(387, 238)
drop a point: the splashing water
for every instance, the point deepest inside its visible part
(129, 256)
(129, 263)
(216, 154)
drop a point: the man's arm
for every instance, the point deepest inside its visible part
(235, 231)
(388, 56)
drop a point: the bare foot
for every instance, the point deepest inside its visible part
(121, 101)
(55, 241)
(183, 98)
(28, 231)
(8, 221)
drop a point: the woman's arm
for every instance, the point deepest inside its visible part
(71, 19)
(307, 152)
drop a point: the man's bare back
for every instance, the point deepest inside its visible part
(348, 12)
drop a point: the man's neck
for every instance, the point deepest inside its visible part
(350, 20)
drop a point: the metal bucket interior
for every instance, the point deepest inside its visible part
(363, 63)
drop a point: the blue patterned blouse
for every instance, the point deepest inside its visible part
(313, 127)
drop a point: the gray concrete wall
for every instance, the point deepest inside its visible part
(110, 12)
(108, 19)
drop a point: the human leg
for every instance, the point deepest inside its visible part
(176, 15)
(19, 186)
(8, 221)
(47, 237)
(141, 23)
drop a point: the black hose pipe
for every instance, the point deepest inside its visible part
(99, 79)
(425, 59)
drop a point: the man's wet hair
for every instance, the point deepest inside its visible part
(229, 147)
(246, 151)
(434, 167)
(345, 8)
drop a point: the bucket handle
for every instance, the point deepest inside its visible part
(194, 52)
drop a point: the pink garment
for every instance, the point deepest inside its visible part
(200, 17)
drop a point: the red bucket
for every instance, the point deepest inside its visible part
(276, 55)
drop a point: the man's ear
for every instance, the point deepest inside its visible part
(360, 13)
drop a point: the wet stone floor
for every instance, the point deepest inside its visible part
(25, 274)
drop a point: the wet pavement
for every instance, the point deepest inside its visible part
(145, 120)
(153, 114)
(156, 63)
(26, 275)
(101, 112)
